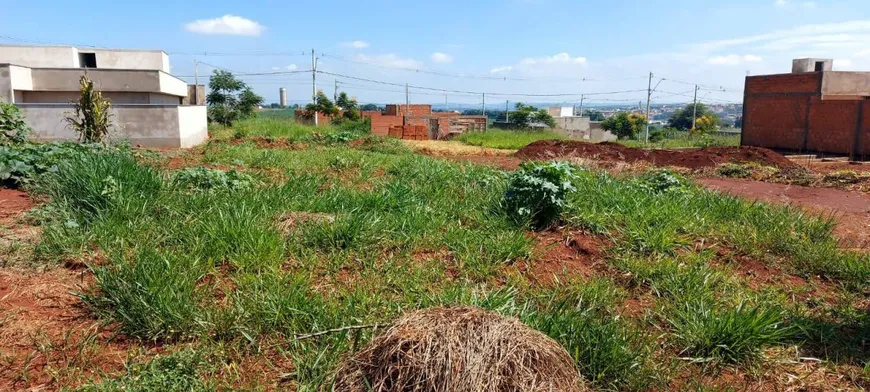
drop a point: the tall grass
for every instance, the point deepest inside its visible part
(686, 140)
(504, 139)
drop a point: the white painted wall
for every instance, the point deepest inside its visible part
(130, 59)
(171, 85)
(142, 125)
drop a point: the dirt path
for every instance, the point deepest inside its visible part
(852, 210)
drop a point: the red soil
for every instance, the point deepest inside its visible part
(851, 210)
(688, 158)
(565, 255)
(13, 203)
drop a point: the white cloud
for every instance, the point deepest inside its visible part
(561, 58)
(786, 3)
(799, 34)
(504, 69)
(733, 59)
(390, 60)
(443, 58)
(226, 25)
(356, 44)
(291, 67)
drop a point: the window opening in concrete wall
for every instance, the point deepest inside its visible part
(820, 66)
(88, 60)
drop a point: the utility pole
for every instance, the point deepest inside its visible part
(648, 98)
(314, 83)
(695, 107)
(483, 106)
(335, 92)
(446, 105)
(582, 97)
(195, 82)
(507, 111)
(407, 101)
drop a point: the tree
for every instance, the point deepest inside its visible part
(682, 118)
(349, 106)
(524, 115)
(322, 104)
(595, 115)
(369, 107)
(230, 99)
(706, 124)
(625, 125)
(90, 117)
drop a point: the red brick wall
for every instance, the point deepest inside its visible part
(380, 123)
(409, 132)
(785, 83)
(775, 122)
(864, 147)
(832, 126)
(414, 110)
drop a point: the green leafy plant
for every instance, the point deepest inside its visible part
(536, 193)
(207, 179)
(230, 99)
(662, 181)
(13, 129)
(177, 371)
(22, 163)
(91, 118)
(625, 125)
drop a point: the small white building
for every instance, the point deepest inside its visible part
(148, 104)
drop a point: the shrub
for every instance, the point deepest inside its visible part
(207, 179)
(91, 118)
(173, 372)
(536, 193)
(13, 129)
(734, 170)
(22, 163)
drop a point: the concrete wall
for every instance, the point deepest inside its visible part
(167, 126)
(108, 80)
(845, 85)
(13, 78)
(130, 59)
(40, 56)
(117, 98)
(809, 65)
(68, 57)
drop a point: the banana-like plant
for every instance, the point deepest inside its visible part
(91, 118)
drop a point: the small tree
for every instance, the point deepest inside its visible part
(349, 106)
(91, 118)
(322, 104)
(595, 115)
(682, 118)
(625, 125)
(524, 115)
(230, 99)
(12, 126)
(706, 124)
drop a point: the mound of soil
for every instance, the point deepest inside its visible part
(688, 158)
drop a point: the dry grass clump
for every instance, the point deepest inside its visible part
(459, 349)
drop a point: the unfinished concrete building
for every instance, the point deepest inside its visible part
(812, 109)
(150, 107)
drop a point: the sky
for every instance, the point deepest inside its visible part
(510, 50)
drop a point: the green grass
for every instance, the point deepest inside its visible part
(505, 139)
(354, 230)
(685, 140)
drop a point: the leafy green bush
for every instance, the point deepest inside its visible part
(207, 179)
(13, 129)
(536, 193)
(662, 181)
(734, 170)
(22, 163)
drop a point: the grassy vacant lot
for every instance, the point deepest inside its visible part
(320, 230)
(506, 139)
(685, 140)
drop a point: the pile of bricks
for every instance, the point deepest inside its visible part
(409, 132)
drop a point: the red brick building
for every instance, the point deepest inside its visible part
(412, 117)
(813, 109)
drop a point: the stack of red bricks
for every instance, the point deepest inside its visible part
(409, 132)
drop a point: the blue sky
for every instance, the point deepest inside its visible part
(535, 46)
